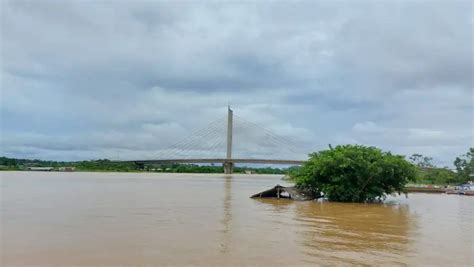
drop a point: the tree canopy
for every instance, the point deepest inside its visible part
(465, 166)
(428, 173)
(355, 173)
(421, 161)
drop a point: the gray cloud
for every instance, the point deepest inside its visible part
(87, 79)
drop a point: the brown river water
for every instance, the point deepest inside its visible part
(130, 219)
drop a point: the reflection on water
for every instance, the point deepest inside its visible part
(342, 232)
(96, 219)
(227, 218)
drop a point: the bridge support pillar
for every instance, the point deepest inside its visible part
(140, 166)
(228, 167)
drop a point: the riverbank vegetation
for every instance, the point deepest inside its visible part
(428, 173)
(105, 165)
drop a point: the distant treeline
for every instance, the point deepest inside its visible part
(427, 172)
(107, 165)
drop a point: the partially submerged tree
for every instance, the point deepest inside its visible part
(355, 173)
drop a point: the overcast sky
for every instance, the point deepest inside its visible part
(120, 79)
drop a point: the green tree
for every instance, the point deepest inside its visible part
(436, 176)
(355, 173)
(422, 161)
(7, 162)
(465, 166)
(429, 173)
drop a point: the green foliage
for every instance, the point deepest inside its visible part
(440, 176)
(427, 173)
(7, 162)
(465, 166)
(103, 165)
(265, 170)
(293, 171)
(11, 163)
(113, 166)
(192, 168)
(422, 161)
(354, 173)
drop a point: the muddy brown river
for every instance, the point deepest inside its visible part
(128, 219)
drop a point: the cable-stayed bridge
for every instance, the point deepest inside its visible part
(230, 140)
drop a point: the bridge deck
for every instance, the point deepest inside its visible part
(256, 161)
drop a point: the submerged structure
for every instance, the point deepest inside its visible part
(284, 192)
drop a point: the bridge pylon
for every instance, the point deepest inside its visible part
(228, 164)
(214, 137)
(228, 167)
